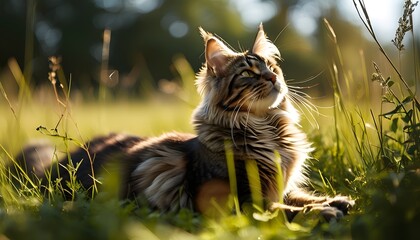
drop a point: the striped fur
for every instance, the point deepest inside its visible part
(245, 102)
(246, 112)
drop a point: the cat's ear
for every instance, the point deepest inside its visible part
(264, 47)
(218, 55)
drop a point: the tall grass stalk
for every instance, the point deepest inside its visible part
(362, 11)
(3, 92)
(374, 157)
(104, 73)
(342, 115)
(232, 176)
(254, 184)
(29, 48)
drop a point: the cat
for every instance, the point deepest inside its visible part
(246, 110)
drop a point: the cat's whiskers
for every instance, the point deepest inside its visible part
(303, 97)
(297, 88)
(302, 101)
(309, 79)
(237, 110)
(246, 121)
(234, 116)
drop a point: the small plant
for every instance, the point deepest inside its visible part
(387, 182)
(406, 108)
(405, 24)
(373, 155)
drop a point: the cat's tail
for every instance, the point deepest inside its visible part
(33, 160)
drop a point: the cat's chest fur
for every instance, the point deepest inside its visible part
(249, 136)
(256, 141)
(269, 140)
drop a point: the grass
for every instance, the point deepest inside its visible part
(369, 153)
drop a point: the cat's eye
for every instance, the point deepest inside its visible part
(247, 73)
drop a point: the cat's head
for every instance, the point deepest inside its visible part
(249, 81)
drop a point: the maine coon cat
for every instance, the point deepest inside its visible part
(245, 108)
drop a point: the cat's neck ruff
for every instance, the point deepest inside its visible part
(214, 126)
(257, 137)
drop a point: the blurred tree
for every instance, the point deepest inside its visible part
(146, 34)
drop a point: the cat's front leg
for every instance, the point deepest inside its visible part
(300, 200)
(332, 207)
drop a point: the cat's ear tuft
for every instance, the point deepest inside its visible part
(264, 47)
(205, 35)
(218, 55)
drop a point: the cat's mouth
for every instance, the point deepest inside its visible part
(272, 99)
(277, 94)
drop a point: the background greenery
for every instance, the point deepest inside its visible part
(364, 125)
(146, 36)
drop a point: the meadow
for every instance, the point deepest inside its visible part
(366, 147)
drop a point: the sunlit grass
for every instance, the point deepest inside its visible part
(88, 119)
(367, 151)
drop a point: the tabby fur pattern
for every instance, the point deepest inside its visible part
(246, 107)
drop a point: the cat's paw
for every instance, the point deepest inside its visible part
(342, 203)
(331, 208)
(331, 213)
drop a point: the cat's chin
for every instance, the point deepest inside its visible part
(277, 95)
(273, 100)
(278, 99)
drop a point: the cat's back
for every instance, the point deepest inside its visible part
(153, 166)
(158, 167)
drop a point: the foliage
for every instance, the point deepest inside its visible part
(371, 154)
(141, 47)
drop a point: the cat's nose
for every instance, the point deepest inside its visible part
(269, 76)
